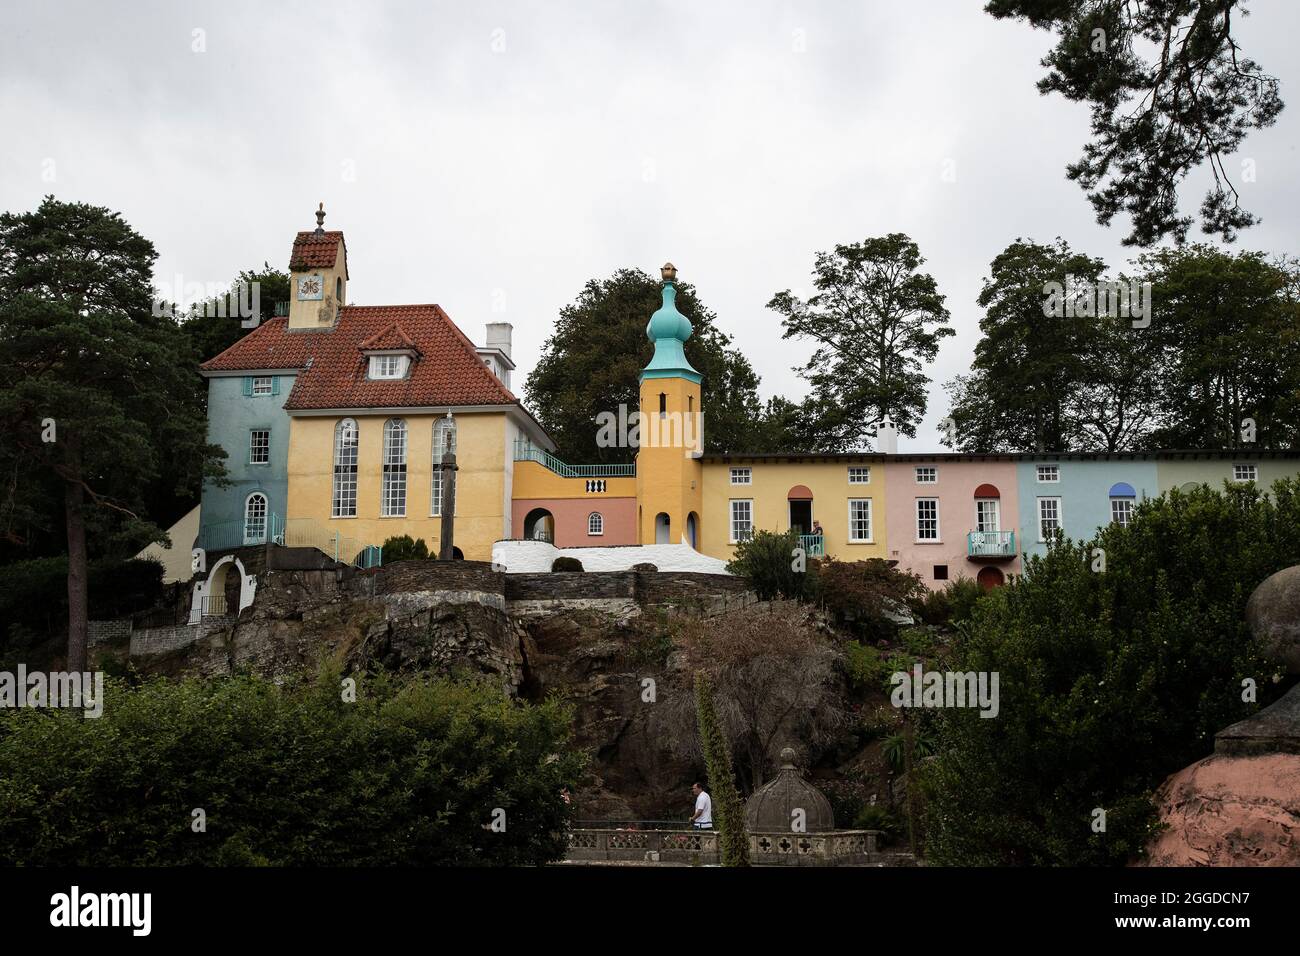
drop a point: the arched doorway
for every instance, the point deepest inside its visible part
(801, 502)
(209, 596)
(255, 519)
(663, 529)
(693, 530)
(539, 525)
(990, 578)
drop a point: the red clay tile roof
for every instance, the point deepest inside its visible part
(393, 337)
(313, 250)
(447, 371)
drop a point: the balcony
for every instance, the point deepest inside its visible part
(814, 545)
(991, 545)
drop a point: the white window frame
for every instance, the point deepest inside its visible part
(854, 537)
(1053, 470)
(1122, 516)
(859, 474)
(731, 519)
(392, 491)
(383, 368)
(346, 447)
(1239, 472)
(742, 476)
(927, 474)
(262, 385)
(938, 535)
(997, 515)
(253, 446)
(595, 524)
(264, 518)
(1060, 515)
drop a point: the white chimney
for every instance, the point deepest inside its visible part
(498, 337)
(886, 437)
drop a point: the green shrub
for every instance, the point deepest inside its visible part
(403, 547)
(894, 749)
(411, 773)
(952, 604)
(1108, 681)
(866, 666)
(564, 563)
(875, 816)
(771, 562)
(860, 593)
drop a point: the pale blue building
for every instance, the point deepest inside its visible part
(1079, 493)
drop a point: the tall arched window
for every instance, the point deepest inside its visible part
(392, 502)
(345, 470)
(595, 523)
(440, 429)
(255, 519)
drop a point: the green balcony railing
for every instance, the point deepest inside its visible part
(814, 545)
(291, 533)
(527, 451)
(991, 544)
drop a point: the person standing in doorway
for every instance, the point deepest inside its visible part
(702, 818)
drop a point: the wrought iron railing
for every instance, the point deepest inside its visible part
(814, 545)
(527, 451)
(991, 544)
(228, 535)
(291, 533)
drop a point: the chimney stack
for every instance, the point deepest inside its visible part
(498, 337)
(886, 437)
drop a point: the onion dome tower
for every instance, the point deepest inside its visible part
(771, 808)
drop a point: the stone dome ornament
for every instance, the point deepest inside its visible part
(772, 807)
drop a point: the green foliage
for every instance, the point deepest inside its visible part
(859, 593)
(728, 812)
(565, 563)
(894, 749)
(404, 548)
(875, 320)
(951, 604)
(768, 559)
(210, 334)
(410, 773)
(1108, 682)
(875, 816)
(1169, 89)
(865, 665)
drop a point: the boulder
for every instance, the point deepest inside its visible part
(1273, 613)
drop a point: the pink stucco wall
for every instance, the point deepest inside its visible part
(955, 490)
(571, 515)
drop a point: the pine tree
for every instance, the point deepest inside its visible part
(727, 810)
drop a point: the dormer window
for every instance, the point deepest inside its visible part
(389, 366)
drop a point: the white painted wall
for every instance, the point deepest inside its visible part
(521, 557)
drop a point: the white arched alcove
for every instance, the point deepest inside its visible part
(216, 583)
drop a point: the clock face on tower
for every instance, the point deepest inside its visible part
(311, 287)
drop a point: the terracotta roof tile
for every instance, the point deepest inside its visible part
(312, 250)
(393, 337)
(446, 372)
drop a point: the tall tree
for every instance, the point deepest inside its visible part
(211, 333)
(733, 841)
(1028, 364)
(875, 320)
(1230, 325)
(95, 387)
(1169, 90)
(592, 362)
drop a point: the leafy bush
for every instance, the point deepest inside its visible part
(410, 773)
(952, 604)
(769, 561)
(403, 547)
(859, 593)
(874, 816)
(566, 564)
(894, 749)
(867, 667)
(1108, 682)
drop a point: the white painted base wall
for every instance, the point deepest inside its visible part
(522, 557)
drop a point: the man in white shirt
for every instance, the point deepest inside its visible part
(702, 819)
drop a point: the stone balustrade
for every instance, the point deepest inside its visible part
(828, 848)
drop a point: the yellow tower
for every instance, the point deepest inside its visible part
(318, 277)
(669, 474)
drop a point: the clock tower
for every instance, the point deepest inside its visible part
(318, 277)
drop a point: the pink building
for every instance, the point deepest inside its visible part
(953, 516)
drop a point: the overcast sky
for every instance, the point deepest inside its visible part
(492, 157)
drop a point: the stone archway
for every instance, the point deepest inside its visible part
(209, 596)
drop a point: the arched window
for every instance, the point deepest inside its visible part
(255, 519)
(440, 429)
(392, 499)
(345, 470)
(338, 291)
(1122, 500)
(595, 523)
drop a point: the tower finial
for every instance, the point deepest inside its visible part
(320, 219)
(668, 271)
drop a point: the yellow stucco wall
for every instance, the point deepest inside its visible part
(771, 484)
(308, 313)
(669, 479)
(533, 480)
(480, 481)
